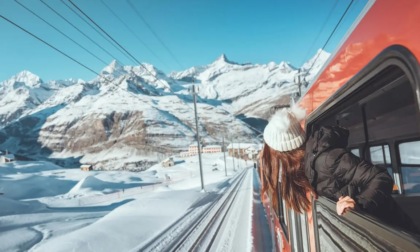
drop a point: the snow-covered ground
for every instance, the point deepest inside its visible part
(47, 208)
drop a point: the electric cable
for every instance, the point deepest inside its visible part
(154, 33)
(62, 33)
(133, 33)
(96, 30)
(332, 33)
(48, 44)
(321, 30)
(80, 31)
(116, 42)
(106, 33)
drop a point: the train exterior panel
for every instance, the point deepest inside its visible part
(386, 23)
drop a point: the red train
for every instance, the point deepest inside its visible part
(371, 86)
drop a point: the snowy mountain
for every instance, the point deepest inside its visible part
(247, 89)
(129, 117)
(315, 64)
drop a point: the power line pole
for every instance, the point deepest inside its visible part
(198, 136)
(224, 153)
(233, 155)
(239, 153)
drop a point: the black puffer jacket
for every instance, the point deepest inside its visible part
(333, 172)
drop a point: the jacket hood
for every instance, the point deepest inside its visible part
(327, 137)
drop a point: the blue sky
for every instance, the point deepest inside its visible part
(171, 35)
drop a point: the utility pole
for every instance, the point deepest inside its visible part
(198, 136)
(233, 155)
(239, 153)
(298, 82)
(224, 153)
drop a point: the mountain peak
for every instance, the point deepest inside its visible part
(114, 68)
(25, 78)
(223, 60)
(317, 60)
(286, 65)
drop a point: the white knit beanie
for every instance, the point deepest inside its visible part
(283, 132)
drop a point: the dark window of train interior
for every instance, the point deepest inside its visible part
(355, 152)
(380, 155)
(410, 166)
(390, 108)
(387, 104)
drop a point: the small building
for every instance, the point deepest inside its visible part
(243, 150)
(7, 158)
(253, 151)
(193, 149)
(212, 149)
(168, 162)
(86, 167)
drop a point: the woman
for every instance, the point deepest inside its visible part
(282, 160)
(328, 170)
(281, 163)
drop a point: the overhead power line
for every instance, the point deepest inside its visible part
(154, 33)
(132, 32)
(106, 33)
(48, 44)
(96, 30)
(320, 30)
(332, 33)
(116, 42)
(80, 31)
(62, 33)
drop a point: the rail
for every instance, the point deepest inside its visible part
(198, 227)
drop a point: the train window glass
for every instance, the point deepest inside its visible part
(351, 118)
(410, 166)
(410, 153)
(355, 152)
(380, 155)
(411, 179)
(391, 109)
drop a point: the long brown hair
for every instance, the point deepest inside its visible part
(293, 182)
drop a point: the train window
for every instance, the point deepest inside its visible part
(355, 152)
(391, 109)
(410, 166)
(380, 155)
(410, 153)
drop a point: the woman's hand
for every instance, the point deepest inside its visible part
(345, 204)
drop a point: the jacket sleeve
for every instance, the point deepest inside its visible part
(376, 185)
(373, 182)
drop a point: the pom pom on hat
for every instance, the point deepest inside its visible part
(283, 132)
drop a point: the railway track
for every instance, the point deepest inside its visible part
(198, 228)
